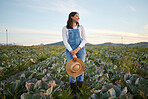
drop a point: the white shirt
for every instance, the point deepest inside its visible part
(65, 37)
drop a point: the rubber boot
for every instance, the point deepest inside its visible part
(74, 90)
(79, 85)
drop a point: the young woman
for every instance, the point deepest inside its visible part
(74, 39)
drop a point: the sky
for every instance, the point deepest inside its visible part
(32, 22)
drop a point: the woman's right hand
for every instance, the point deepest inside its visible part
(74, 58)
(72, 52)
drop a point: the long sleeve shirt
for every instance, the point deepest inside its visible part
(65, 37)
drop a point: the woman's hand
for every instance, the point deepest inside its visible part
(74, 58)
(77, 49)
(72, 52)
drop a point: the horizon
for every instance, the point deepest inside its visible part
(62, 41)
(32, 22)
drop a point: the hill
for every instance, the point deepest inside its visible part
(139, 44)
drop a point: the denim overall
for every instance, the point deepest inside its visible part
(74, 40)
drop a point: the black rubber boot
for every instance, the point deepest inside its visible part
(74, 90)
(79, 85)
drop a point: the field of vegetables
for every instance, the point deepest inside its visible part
(38, 72)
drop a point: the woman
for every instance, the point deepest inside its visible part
(74, 39)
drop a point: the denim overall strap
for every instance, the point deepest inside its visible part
(74, 40)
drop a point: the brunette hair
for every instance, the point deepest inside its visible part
(69, 21)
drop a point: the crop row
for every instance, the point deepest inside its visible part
(48, 79)
(14, 59)
(133, 59)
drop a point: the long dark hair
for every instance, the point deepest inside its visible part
(69, 21)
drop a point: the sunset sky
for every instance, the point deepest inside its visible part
(32, 22)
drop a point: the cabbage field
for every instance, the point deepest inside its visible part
(38, 72)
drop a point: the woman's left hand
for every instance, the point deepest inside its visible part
(77, 49)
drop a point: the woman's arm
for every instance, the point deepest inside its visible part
(64, 36)
(83, 34)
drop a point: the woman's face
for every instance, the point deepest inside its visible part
(75, 18)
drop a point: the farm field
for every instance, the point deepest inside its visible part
(38, 72)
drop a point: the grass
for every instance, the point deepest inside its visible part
(66, 92)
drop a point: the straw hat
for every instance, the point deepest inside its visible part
(75, 69)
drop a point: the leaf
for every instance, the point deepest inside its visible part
(32, 75)
(94, 96)
(30, 87)
(17, 84)
(22, 75)
(45, 93)
(127, 76)
(51, 83)
(118, 82)
(112, 92)
(137, 81)
(40, 75)
(96, 91)
(124, 91)
(107, 87)
(49, 90)
(40, 85)
(111, 97)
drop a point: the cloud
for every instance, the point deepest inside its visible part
(29, 37)
(94, 36)
(62, 6)
(146, 27)
(132, 8)
(32, 31)
(111, 33)
(97, 36)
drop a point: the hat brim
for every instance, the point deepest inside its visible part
(75, 74)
